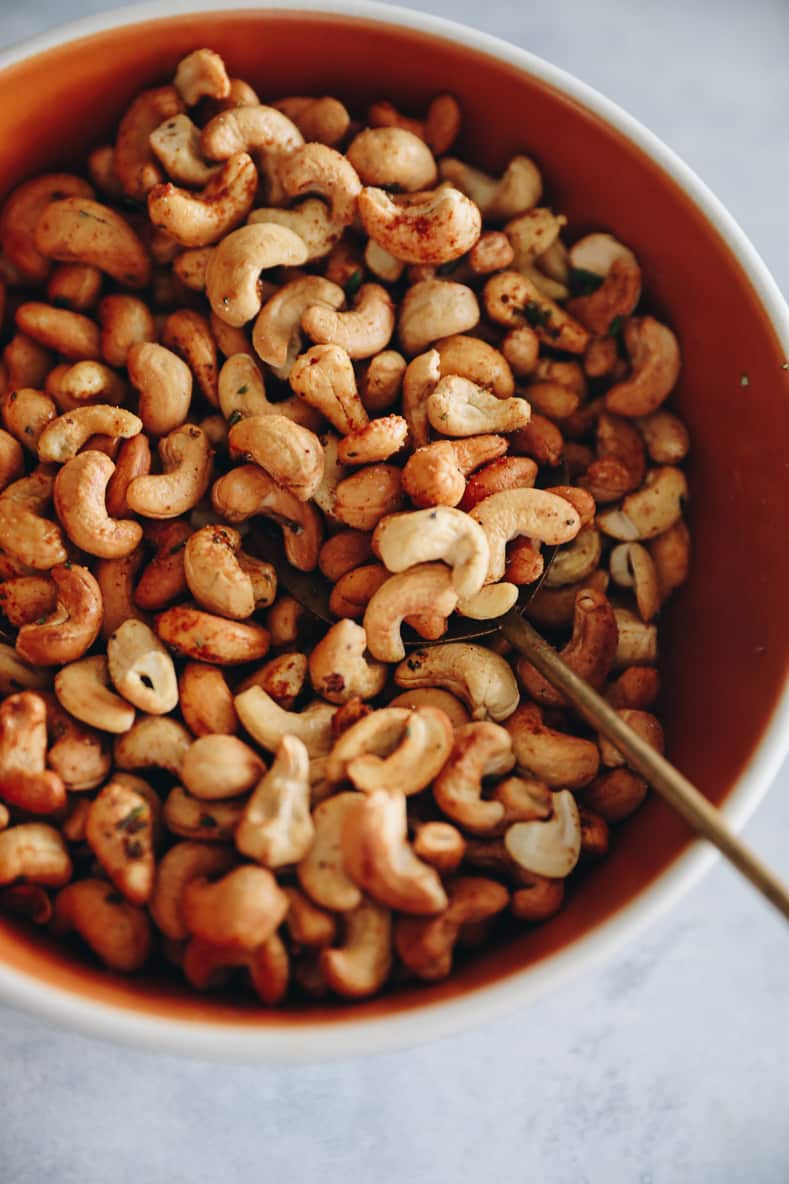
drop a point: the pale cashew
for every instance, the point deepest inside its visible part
(63, 437)
(316, 168)
(435, 475)
(201, 74)
(363, 499)
(361, 965)
(422, 536)
(25, 533)
(14, 673)
(637, 640)
(218, 577)
(499, 198)
(154, 742)
(74, 285)
(184, 862)
(35, 853)
(478, 677)
(70, 333)
(435, 309)
(276, 828)
(620, 464)
(534, 238)
(424, 588)
(511, 298)
(610, 281)
(362, 332)
(433, 697)
(551, 847)
(125, 321)
(491, 252)
(201, 218)
(632, 566)
(189, 335)
(254, 129)
(267, 722)
(383, 265)
(79, 230)
(338, 668)
(310, 220)
(426, 945)
(458, 407)
(24, 780)
(206, 700)
(556, 758)
(118, 932)
(26, 414)
(651, 510)
(79, 496)
(164, 383)
(72, 626)
(323, 377)
(490, 602)
(187, 462)
(177, 146)
(216, 767)
(234, 268)
(392, 157)
(73, 386)
(119, 832)
(590, 652)
(395, 749)
(133, 162)
(378, 857)
(83, 689)
(479, 750)
(248, 490)
(276, 331)
(321, 872)
(206, 637)
(140, 668)
(378, 441)
(244, 908)
(291, 454)
(192, 818)
(654, 368)
(436, 227)
(534, 513)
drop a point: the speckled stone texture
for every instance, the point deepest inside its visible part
(668, 1065)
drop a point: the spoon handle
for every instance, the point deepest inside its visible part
(680, 793)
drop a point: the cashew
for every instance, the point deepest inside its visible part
(458, 407)
(216, 574)
(267, 722)
(441, 845)
(665, 436)
(188, 334)
(63, 437)
(35, 853)
(310, 220)
(86, 381)
(551, 847)
(323, 377)
(637, 641)
(590, 652)
(426, 946)
(338, 668)
(393, 749)
(29, 901)
(24, 531)
(325, 120)
(435, 309)
(118, 932)
(276, 828)
(534, 238)
(435, 474)
(74, 285)
(243, 909)
(291, 454)
(620, 465)
(25, 598)
(26, 414)
(204, 217)
(206, 700)
(77, 754)
(248, 490)
(479, 750)
(14, 673)
(155, 741)
(194, 819)
(187, 464)
(392, 156)
(119, 832)
(73, 625)
(476, 360)
(209, 638)
(534, 513)
(361, 965)
(617, 290)
(25, 363)
(140, 668)
(510, 298)
(164, 383)
(176, 144)
(381, 380)
(478, 677)
(651, 510)
(24, 781)
(510, 472)
(421, 536)
(321, 872)
(79, 496)
(362, 332)
(12, 463)
(654, 368)
(377, 441)
(433, 697)
(184, 862)
(364, 498)
(632, 566)
(242, 391)
(670, 553)
(435, 227)
(282, 678)
(277, 327)
(426, 587)
(316, 168)
(70, 333)
(491, 252)
(490, 602)
(554, 757)
(125, 321)
(539, 899)
(254, 129)
(615, 794)
(216, 767)
(353, 591)
(439, 128)
(79, 230)
(235, 266)
(83, 688)
(21, 213)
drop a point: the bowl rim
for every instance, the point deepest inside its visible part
(321, 1040)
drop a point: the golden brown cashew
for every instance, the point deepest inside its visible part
(478, 677)
(632, 566)
(206, 700)
(24, 780)
(176, 145)
(479, 362)
(187, 462)
(79, 230)
(620, 465)
(277, 327)
(378, 857)
(217, 767)
(120, 834)
(510, 298)
(458, 407)
(12, 462)
(75, 285)
(201, 218)
(439, 129)
(665, 436)
(125, 321)
(201, 74)
(242, 909)
(119, 933)
(36, 853)
(209, 638)
(433, 697)
(253, 129)
(426, 945)
(64, 436)
(154, 742)
(424, 588)
(21, 212)
(339, 669)
(325, 120)
(654, 368)
(479, 750)
(242, 391)
(73, 625)
(362, 332)
(638, 641)
(646, 725)
(26, 414)
(392, 749)
(321, 872)
(276, 828)
(361, 965)
(267, 722)
(363, 499)
(70, 333)
(323, 377)
(435, 475)
(184, 862)
(491, 252)
(79, 496)
(534, 513)
(192, 818)
(353, 591)
(191, 266)
(590, 652)
(551, 847)
(378, 441)
(189, 335)
(217, 577)
(80, 756)
(403, 540)
(234, 268)
(25, 598)
(140, 668)
(316, 168)
(554, 757)
(74, 386)
(499, 198)
(651, 510)
(616, 281)
(381, 380)
(282, 678)
(83, 689)
(311, 221)
(133, 161)
(164, 383)
(291, 454)
(392, 156)
(436, 227)
(434, 309)
(248, 490)
(670, 553)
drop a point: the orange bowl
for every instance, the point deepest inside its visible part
(727, 634)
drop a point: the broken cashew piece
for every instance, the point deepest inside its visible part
(338, 668)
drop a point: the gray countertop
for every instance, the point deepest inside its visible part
(668, 1064)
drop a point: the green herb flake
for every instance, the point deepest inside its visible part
(234, 418)
(68, 565)
(583, 282)
(206, 821)
(537, 316)
(41, 620)
(353, 284)
(134, 820)
(615, 328)
(242, 390)
(178, 547)
(744, 380)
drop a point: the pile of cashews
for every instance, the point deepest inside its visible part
(247, 311)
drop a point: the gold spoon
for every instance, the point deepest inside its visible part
(311, 590)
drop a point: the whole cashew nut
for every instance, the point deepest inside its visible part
(394, 749)
(83, 689)
(361, 965)
(119, 933)
(21, 212)
(651, 510)
(316, 168)
(551, 847)
(217, 575)
(654, 368)
(164, 383)
(424, 588)
(235, 266)
(426, 945)
(434, 309)
(291, 454)
(80, 230)
(24, 780)
(206, 637)
(534, 513)
(392, 156)
(278, 324)
(435, 227)
(458, 407)
(478, 677)
(248, 490)
(185, 861)
(71, 628)
(25, 532)
(119, 832)
(176, 145)
(267, 722)
(363, 331)
(435, 475)
(338, 668)
(480, 749)
(321, 872)
(276, 828)
(421, 536)
(79, 495)
(154, 742)
(590, 652)
(511, 298)
(499, 198)
(34, 852)
(323, 377)
(556, 758)
(243, 908)
(187, 462)
(199, 219)
(64, 436)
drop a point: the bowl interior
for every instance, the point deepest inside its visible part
(727, 636)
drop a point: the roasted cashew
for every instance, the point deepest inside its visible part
(14, 673)
(243, 908)
(26, 363)
(637, 640)
(435, 227)
(189, 335)
(323, 377)
(665, 436)
(206, 637)
(556, 758)
(64, 436)
(71, 628)
(392, 749)
(439, 129)
(392, 157)
(338, 668)
(277, 327)
(654, 368)
(325, 120)
(435, 475)
(576, 561)
(511, 298)
(478, 677)
(206, 700)
(651, 510)
(83, 689)
(215, 767)
(217, 575)
(435, 309)
(433, 697)
(381, 380)
(69, 333)
(362, 332)
(310, 220)
(365, 497)
(118, 932)
(507, 472)
(361, 965)
(289, 453)
(85, 382)
(80, 756)
(551, 847)
(154, 742)
(316, 168)
(12, 461)
(140, 668)
(119, 832)
(619, 288)
(441, 845)
(267, 722)
(615, 794)
(26, 414)
(458, 407)
(377, 441)
(476, 360)
(23, 599)
(184, 862)
(276, 828)
(125, 321)
(176, 145)
(632, 566)
(424, 588)
(499, 198)
(426, 946)
(534, 513)
(620, 464)
(491, 252)
(590, 652)
(479, 750)
(164, 383)
(378, 857)
(80, 230)
(192, 818)
(79, 496)
(404, 540)
(24, 780)
(133, 162)
(282, 678)
(35, 853)
(75, 285)
(20, 214)
(494, 600)
(248, 490)
(202, 218)
(321, 872)
(234, 268)
(201, 74)
(670, 553)
(187, 462)
(25, 533)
